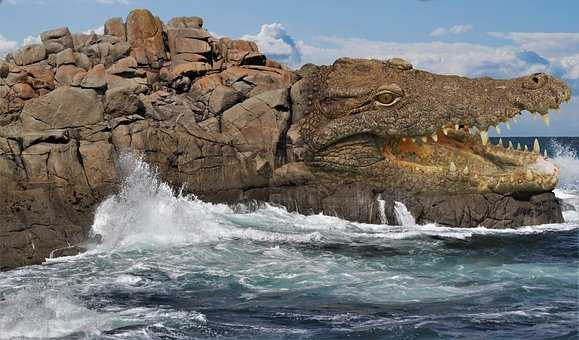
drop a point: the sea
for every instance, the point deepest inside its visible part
(173, 267)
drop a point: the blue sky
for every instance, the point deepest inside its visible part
(472, 38)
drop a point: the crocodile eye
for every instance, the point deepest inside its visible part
(387, 98)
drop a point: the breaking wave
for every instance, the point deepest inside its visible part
(147, 212)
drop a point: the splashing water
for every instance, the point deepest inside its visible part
(172, 266)
(566, 158)
(403, 216)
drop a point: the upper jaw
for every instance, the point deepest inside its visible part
(504, 102)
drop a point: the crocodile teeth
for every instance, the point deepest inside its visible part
(424, 139)
(546, 120)
(500, 142)
(536, 146)
(445, 131)
(456, 127)
(435, 137)
(498, 130)
(508, 125)
(413, 140)
(484, 137)
(518, 146)
(526, 147)
(452, 167)
(545, 153)
(404, 139)
(529, 175)
(465, 171)
(511, 145)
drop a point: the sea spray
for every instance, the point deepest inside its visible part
(403, 216)
(147, 211)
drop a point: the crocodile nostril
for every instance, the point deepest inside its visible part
(536, 79)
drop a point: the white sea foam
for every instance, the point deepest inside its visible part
(40, 313)
(147, 212)
(566, 158)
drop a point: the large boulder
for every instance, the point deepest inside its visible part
(63, 108)
(95, 78)
(57, 40)
(145, 35)
(116, 27)
(257, 124)
(185, 22)
(29, 54)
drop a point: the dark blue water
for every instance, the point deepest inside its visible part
(172, 267)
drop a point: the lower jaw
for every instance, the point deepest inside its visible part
(469, 168)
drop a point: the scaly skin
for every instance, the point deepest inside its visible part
(394, 126)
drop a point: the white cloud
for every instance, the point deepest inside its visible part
(456, 29)
(274, 41)
(97, 30)
(549, 44)
(447, 58)
(31, 39)
(6, 45)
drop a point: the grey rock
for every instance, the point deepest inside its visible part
(65, 107)
(222, 98)
(65, 57)
(116, 27)
(29, 54)
(186, 22)
(95, 78)
(57, 40)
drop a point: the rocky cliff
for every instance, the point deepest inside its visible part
(214, 115)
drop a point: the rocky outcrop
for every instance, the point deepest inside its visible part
(213, 115)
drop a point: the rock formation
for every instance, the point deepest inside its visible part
(218, 117)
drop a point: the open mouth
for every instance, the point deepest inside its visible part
(468, 156)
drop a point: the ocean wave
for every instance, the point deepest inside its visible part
(147, 212)
(44, 313)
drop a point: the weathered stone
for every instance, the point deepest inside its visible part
(118, 51)
(29, 54)
(125, 67)
(124, 100)
(98, 161)
(77, 78)
(23, 90)
(82, 60)
(4, 69)
(222, 98)
(399, 63)
(65, 57)
(95, 78)
(188, 58)
(116, 27)
(82, 40)
(194, 68)
(40, 76)
(257, 123)
(252, 80)
(66, 73)
(145, 35)
(186, 22)
(65, 107)
(243, 45)
(186, 45)
(57, 40)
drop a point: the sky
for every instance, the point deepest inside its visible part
(501, 39)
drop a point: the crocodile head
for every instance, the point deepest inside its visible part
(390, 124)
